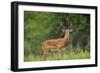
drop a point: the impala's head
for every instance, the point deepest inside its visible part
(66, 26)
(67, 30)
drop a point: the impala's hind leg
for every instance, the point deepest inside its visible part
(62, 53)
(45, 54)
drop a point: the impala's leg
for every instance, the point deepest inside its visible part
(45, 54)
(59, 53)
(62, 52)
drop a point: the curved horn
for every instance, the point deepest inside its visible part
(62, 25)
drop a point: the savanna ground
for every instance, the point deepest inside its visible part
(41, 26)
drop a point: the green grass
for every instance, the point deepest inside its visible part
(69, 55)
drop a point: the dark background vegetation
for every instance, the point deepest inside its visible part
(41, 26)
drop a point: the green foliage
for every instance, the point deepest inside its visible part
(41, 26)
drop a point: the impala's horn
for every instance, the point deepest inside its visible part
(62, 25)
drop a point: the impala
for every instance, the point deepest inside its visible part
(56, 44)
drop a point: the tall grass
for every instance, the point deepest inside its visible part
(68, 55)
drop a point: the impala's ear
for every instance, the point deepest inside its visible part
(70, 30)
(63, 30)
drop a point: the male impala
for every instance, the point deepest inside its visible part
(56, 44)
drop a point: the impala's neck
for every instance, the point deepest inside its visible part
(66, 35)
